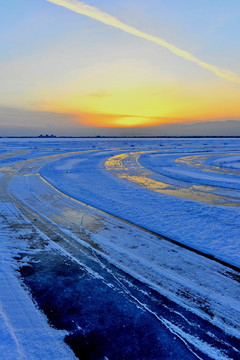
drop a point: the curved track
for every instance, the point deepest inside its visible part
(126, 166)
(146, 267)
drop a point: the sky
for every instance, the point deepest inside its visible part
(112, 67)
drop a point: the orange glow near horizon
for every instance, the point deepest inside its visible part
(119, 121)
(130, 121)
(100, 120)
(146, 106)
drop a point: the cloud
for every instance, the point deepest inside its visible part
(99, 94)
(203, 128)
(94, 13)
(24, 122)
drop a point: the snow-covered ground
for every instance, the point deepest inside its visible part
(188, 167)
(24, 331)
(92, 201)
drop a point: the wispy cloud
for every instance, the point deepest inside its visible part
(94, 13)
(99, 94)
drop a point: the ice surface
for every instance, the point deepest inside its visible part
(209, 167)
(24, 331)
(211, 228)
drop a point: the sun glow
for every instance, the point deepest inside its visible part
(132, 121)
(147, 105)
(112, 120)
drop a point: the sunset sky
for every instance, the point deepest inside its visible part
(119, 67)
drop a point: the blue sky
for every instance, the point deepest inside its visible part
(56, 61)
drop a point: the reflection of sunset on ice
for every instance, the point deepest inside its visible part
(127, 166)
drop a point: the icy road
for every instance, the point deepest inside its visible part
(82, 249)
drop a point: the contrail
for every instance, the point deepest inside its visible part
(94, 13)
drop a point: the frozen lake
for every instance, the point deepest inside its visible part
(127, 244)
